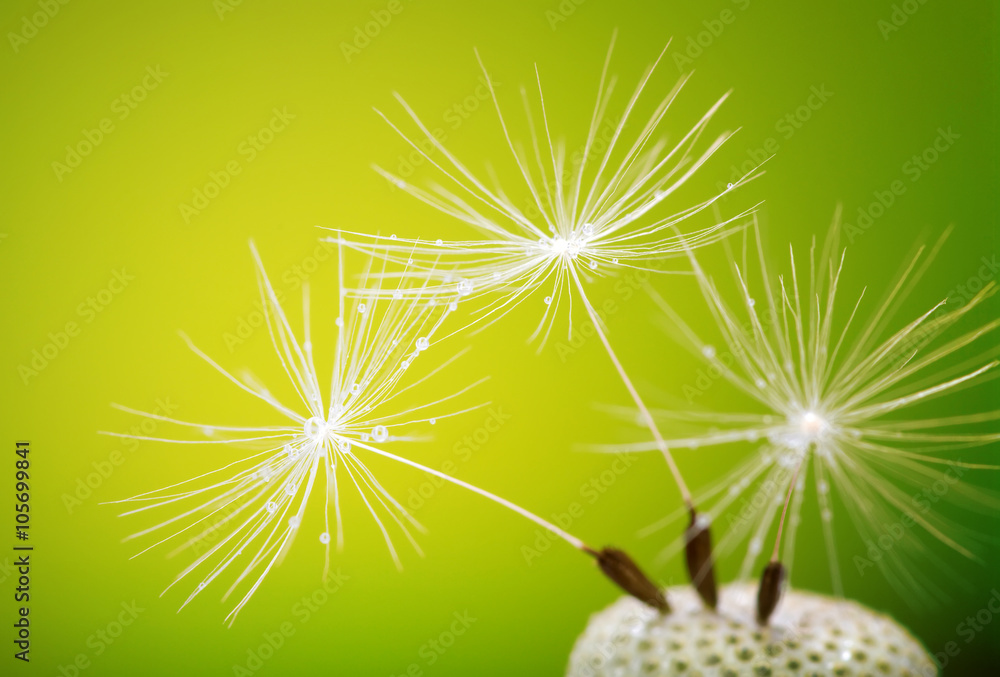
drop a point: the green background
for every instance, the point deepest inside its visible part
(65, 236)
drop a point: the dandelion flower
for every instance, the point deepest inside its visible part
(844, 409)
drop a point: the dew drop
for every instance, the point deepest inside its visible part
(344, 445)
(614, 260)
(453, 306)
(293, 521)
(433, 421)
(208, 430)
(728, 186)
(755, 546)
(324, 538)
(364, 437)
(409, 262)
(397, 294)
(760, 383)
(404, 364)
(339, 322)
(380, 433)
(290, 489)
(752, 302)
(464, 288)
(423, 343)
(587, 229)
(439, 242)
(708, 351)
(362, 308)
(593, 265)
(355, 389)
(392, 237)
(822, 487)
(548, 300)
(826, 515)
(271, 506)
(315, 428)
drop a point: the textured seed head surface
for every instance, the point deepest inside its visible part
(809, 634)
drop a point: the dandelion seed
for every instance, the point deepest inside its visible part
(323, 437)
(608, 206)
(605, 206)
(843, 410)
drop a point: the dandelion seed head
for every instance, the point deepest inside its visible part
(809, 634)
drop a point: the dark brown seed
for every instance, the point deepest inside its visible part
(620, 568)
(772, 584)
(701, 567)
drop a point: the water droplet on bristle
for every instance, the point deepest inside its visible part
(548, 300)
(324, 538)
(423, 343)
(380, 433)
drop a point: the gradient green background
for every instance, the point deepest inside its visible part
(119, 209)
